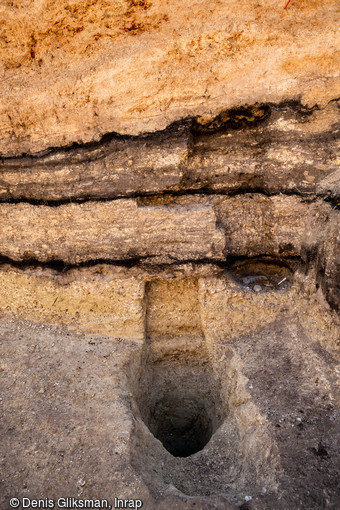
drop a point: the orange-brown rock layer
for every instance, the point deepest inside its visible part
(73, 70)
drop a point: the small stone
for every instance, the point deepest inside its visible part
(257, 288)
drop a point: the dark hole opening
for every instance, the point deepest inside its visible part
(182, 425)
(263, 273)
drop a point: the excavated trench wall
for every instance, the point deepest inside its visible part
(208, 245)
(257, 181)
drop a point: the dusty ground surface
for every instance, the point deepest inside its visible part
(75, 70)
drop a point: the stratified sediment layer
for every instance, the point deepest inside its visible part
(268, 148)
(74, 71)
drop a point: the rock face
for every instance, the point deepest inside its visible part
(116, 230)
(273, 149)
(118, 167)
(74, 71)
(170, 253)
(259, 180)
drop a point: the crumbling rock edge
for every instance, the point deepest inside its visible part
(232, 118)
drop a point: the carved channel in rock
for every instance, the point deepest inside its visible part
(196, 429)
(179, 398)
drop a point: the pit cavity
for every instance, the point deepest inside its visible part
(195, 428)
(180, 402)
